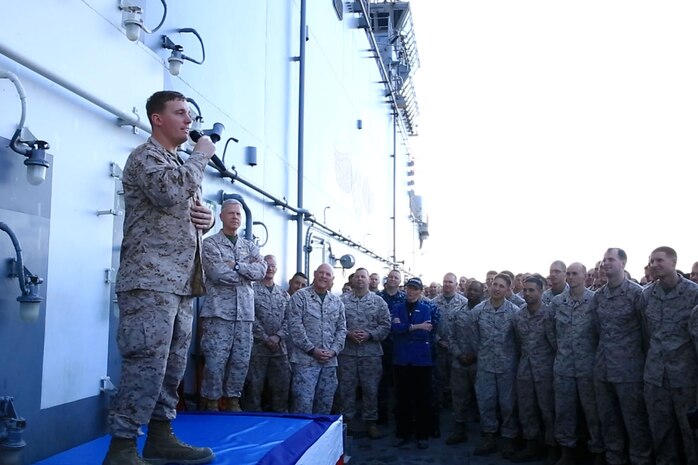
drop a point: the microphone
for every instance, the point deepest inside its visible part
(215, 134)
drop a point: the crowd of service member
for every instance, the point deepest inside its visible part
(574, 356)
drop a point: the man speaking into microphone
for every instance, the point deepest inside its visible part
(159, 274)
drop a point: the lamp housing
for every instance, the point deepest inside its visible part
(132, 21)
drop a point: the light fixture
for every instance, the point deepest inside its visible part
(410, 173)
(177, 57)
(410, 183)
(11, 432)
(132, 20)
(24, 143)
(29, 300)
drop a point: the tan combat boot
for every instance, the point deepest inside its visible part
(210, 405)
(162, 447)
(232, 404)
(122, 451)
(372, 430)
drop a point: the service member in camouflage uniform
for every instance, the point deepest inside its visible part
(368, 323)
(231, 263)
(492, 326)
(671, 369)
(317, 329)
(620, 359)
(533, 327)
(574, 366)
(392, 295)
(160, 271)
(447, 303)
(558, 281)
(269, 359)
(463, 364)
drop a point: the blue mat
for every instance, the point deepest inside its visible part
(236, 438)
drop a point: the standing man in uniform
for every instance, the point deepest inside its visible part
(492, 326)
(463, 364)
(269, 363)
(160, 272)
(368, 323)
(317, 329)
(374, 281)
(447, 303)
(392, 295)
(558, 281)
(671, 369)
(533, 326)
(694, 273)
(231, 263)
(620, 360)
(574, 367)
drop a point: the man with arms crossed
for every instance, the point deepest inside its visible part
(160, 271)
(231, 263)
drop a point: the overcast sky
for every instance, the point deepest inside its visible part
(554, 130)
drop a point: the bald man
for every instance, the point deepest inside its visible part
(558, 281)
(317, 328)
(574, 366)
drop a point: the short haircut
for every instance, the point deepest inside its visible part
(269, 257)
(508, 273)
(537, 280)
(505, 277)
(299, 274)
(156, 102)
(491, 272)
(360, 269)
(230, 202)
(559, 263)
(475, 282)
(621, 253)
(671, 253)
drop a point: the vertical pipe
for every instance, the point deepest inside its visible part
(301, 129)
(395, 116)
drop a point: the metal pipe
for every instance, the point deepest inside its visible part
(20, 262)
(126, 118)
(301, 131)
(395, 117)
(4, 74)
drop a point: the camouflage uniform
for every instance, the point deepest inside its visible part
(159, 272)
(387, 360)
(270, 305)
(493, 337)
(314, 322)
(548, 295)
(361, 363)
(228, 313)
(618, 368)
(534, 380)
(462, 376)
(442, 361)
(516, 300)
(574, 369)
(671, 369)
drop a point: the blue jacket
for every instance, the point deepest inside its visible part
(412, 347)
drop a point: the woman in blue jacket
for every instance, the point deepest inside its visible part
(412, 324)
